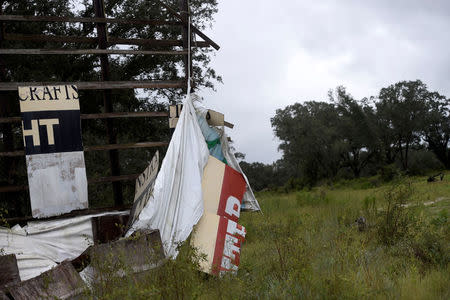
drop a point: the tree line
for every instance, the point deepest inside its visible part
(405, 128)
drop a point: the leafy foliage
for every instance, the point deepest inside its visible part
(406, 127)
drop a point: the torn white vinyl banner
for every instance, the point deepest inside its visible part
(41, 245)
(177, 204)
(249, 201)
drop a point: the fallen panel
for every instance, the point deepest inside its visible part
(133, 255)
(61, 282)
(9, 272)
(144, 189)
(41, 245)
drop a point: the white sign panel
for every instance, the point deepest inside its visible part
(54, 149)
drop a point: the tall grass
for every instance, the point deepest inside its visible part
(306, 244)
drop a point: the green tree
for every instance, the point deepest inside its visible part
(437, 129)
(309, 139)
(401, 110)
(355, 129)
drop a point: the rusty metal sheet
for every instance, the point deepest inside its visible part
(54, 151)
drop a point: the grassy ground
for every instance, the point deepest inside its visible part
(306, 244)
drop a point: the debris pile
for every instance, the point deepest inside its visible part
(199, 188)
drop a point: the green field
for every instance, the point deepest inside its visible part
(306, 244)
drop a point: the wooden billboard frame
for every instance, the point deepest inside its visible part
(105, 86)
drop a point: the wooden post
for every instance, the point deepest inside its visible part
(184, 13)
(107, 102)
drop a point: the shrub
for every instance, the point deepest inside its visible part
(395, 222)
(388, 173)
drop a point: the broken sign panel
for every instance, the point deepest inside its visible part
(219, 239)
(54, 150)
(144, 188)
(223, 189)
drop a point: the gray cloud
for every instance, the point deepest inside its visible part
(275, 53)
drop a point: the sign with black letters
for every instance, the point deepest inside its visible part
(54, 150)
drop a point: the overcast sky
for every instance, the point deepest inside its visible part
(276, 53)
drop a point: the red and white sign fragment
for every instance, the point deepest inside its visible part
(218, 235)
(223, 189)
(220, 240)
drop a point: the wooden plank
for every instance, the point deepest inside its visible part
(90, 40)
(26, 18)
(100, 85)
(100, 148)
(74, 213)
(10, 189)
(141, 252)
(113, 178)
(13, 188)
(125, 146)
(228, 124)
(9, 272)
(49, 38)
(61, 282)
(88, 52)
(138, 114)
(205, 37)
(193, 28)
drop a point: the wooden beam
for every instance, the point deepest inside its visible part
(100, 147)
(26, 18)
(74, 213)
(88, 52)
(100, 85)
(130, 177)
(125, 146)
(91, 40)
(138, 114)
(193, 28)
(113, 178)
(228, 124)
